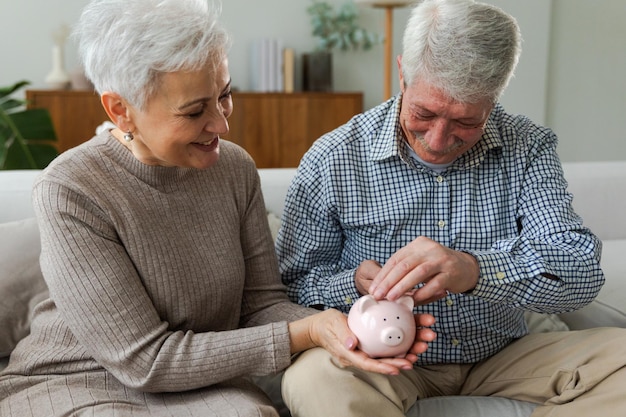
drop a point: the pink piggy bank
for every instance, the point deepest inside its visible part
(384, 328)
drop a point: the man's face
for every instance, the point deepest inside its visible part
(438, 128)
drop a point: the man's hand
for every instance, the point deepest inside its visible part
(424, 261)
(365, 274)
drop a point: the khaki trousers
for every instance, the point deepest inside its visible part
(576, 373)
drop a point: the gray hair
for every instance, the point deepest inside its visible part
(127, 45)
(467, 49)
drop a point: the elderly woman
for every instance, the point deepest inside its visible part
(165, 294)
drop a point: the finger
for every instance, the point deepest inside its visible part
(391, 263)
(401, 284)
(407, 258)
(411, 357)
(418, 348)
(429, 292)
(390, 275)
(341, 332)
(425, 335)
(365, 274)
(382, 366)
(424, 320)
(400, 363)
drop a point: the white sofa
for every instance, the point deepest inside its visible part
(600, 196)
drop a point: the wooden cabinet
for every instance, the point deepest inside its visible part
(75, 114)
(275, 128)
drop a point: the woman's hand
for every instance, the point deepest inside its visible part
(329, 330)
(424, 261)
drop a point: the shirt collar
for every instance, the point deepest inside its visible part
(387, 141)
(490, 140)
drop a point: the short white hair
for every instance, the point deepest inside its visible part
(126, 45)
(467, 49)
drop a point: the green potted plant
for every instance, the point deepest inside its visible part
(334, 30)
(27, 138)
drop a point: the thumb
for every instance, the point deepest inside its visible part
(350, 343)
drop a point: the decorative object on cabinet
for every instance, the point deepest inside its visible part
(388, 62)
(334, 31)
(275, 128)
(58, 77)
(27, 137)
(317, 71)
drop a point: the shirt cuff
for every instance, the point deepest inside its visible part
(342, 293)
(496, 270)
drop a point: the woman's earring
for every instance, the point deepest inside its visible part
(128, 137)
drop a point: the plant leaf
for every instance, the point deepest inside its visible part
(7, 91)
(337, 30)
(26, 136)
(11, 104)
(16, 158)
(34, 124)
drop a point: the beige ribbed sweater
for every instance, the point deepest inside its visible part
(164, 277)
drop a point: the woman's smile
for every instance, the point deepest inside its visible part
(207, 146)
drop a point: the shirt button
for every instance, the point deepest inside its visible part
(449, 302)
(455, 342)
(500, 275)
(348, 300)
(439, 179)
(441, 224)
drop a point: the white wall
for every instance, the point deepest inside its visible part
(26, 38)
(586, 101)
(569, 77)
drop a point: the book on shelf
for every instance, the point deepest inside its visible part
(289, 62)
(272, 66)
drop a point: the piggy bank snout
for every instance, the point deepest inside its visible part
(392, 336)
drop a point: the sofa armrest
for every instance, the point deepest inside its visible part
(15, 187)
(275, 183)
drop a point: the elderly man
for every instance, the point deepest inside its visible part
(441, 194)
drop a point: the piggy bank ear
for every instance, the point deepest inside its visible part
(365, 302)
(406, 301)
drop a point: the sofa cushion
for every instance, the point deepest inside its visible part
(609, 308)
(15, 187)
(275, 183)
(598, 188)
(21, 283)
(274, 223)
(543, 323)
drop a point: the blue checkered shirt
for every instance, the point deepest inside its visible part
(358, 194)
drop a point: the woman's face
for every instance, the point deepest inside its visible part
(181, 124)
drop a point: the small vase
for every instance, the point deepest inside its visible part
(58, 78)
